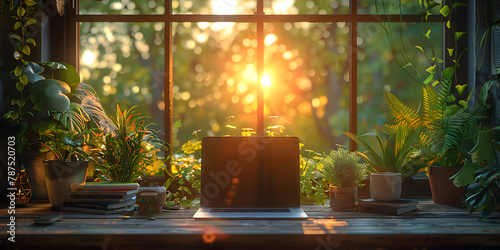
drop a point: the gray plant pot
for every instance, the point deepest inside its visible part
(59, 176)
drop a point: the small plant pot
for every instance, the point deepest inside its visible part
(343, 198)
(385, 186)
(151, 198)
(442, 188)
(59, 176)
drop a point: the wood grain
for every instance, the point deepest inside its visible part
(432, 226)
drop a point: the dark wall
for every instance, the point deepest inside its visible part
(486, 12)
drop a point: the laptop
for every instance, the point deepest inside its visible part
(250, 178)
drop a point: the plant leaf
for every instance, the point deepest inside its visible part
(18, 71)
(49, 94)
(445, 11)
(463, 103)
(30, 21)
(466, 175)
(30, 2)
(23, 79)
(428, 34)
(483, 94)
(16, 37)
(428, 79)
(19, 86)
(21, 11)
(407, 65)
(459, 34)
(431, 69)
(18, 25)
(450, 51)
(26, 50)
(33, 71)
(461, 88)
(31, 40)
(420, 48)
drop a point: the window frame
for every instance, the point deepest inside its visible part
(72, 45)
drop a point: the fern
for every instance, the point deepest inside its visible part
(402, 114)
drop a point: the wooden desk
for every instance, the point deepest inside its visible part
(432, 227)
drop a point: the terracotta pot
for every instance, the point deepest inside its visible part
(60, 175)
(442, 188)
(343, 198)
(385, 186)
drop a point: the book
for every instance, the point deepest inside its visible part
(100, 186)
(102, 194)
(389, 210)
(115, 200)
(95, 211)
(102, 205)
(396, 203)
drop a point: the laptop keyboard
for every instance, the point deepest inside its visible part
(250, 210)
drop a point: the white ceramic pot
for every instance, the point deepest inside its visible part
(385, 186)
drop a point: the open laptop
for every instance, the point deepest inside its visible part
(250, 177)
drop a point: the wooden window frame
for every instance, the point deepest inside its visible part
(73, 19)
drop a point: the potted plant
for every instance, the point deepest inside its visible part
(342, 170)
(125, 152)
(392, 153)
(70, 163)
(446, 127)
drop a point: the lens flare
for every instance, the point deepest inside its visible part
(266, 81)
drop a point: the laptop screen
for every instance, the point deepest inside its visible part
(250, 172)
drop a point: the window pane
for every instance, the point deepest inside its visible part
(122, 7)
(124, 62)
(216, 7)
(322, 7)
(393, 7)
(378, 71)
(307, 64)
(215, 77)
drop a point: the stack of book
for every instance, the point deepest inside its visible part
(396, 207)
(101, 198)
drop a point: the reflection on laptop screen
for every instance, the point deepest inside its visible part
(250, 172)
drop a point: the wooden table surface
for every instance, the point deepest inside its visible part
(433, 226)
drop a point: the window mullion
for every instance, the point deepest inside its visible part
(353, 74)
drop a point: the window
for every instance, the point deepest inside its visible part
(200, 62)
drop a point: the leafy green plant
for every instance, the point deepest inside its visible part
(392, 149)
(445, 114)
(185, 175)
(342, 168)
(124, 153)
(47, 95)
(484, 194)
(184, 172)
(65, 144)
(312, 183)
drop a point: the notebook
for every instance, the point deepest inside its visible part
(250, 177)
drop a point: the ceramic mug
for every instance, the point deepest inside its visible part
(385, 186)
